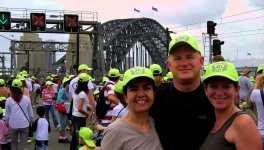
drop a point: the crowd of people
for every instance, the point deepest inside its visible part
(145, 110)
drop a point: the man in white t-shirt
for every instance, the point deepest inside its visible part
(83, 68)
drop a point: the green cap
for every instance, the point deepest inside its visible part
(87, 135)
(65, 79)
(169, 75)
(251, 78)
(113, 73)
(92, 79)
(2, 81)
(263, 74)
(105, 79)
(260, 67)
(137, 72)
(48, 78)
(12, 76)
(2, 98)
(84, 67)
(21, 78)
(184, 39)
(17, 83)
(223, 69)
(83, 77)
(33, 77)
(2, 110)
(155, 68)
(118, 87)
(52, 75)
(24, 73)
(71, 76)
(96, 92)
(49, 83)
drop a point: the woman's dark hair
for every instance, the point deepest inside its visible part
(207, 81)
(37, 81)
(65, 83)
(24, 83)
(54, 80)
(17, 93)
(113, 78)
(82, 86)
(40, 110)
(121, 98)
(148, 79)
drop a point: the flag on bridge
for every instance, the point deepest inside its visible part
(136, 10)
(155, 9)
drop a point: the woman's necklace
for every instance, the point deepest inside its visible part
(219, 124)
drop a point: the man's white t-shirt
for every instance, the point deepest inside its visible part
(55, 87)
(29, 85)
(73, 85)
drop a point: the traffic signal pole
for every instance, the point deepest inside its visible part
(210, 48)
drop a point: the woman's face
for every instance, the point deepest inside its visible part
(140, 95)
(221, 92)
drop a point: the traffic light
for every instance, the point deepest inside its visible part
(71, 23)
(5, 20)
(37, 21)
(211, 27)
(217, 47)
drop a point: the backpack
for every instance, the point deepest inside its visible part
(38, 90)
(101, 106)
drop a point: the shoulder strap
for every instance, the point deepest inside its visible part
(262, 95)
(23, 111)
(120, 111)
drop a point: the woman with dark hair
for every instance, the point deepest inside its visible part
(18, 115)
(80, 103)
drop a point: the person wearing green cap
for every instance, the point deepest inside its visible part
(3, 90)
(63, 97)
(80, 103)
(4, 131)
(257, 99)
(29, 85)
(183, 99)
(18, 115)
(86, 139)
(157, 72)
(136, 129)
(232, 127)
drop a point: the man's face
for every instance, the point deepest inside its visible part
(185, 64)
(85, 71)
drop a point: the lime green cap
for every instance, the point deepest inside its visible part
(83, 77)
(12, 76)
(2, 98)
(260, 67)
(84, 67)
(137, 72)
(49, 83)
(17, 83)
(21, 78)
(71, 76)
(65, 79)
(118, 87)
(48, 78)
(2, 110)
(169, 75)
(105, 79)
(155, 68)
(24, 73)
(96, 92)
(87, 136)
(33, 77)
(92, 79)
(113, 73)
(263, 73)
(184, 39)
(165, 78)
(2, 81)
(223, 69)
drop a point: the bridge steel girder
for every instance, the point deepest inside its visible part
(120, 35)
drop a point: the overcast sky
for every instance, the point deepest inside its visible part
(240, 23)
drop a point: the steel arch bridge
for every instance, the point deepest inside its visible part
(119, 36)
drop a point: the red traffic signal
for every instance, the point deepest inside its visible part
(5, 20)
(71, 23)
(211, 27)
(38, 21)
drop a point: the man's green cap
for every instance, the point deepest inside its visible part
(137, 72)
(2, 98)
(48, 78)
(96, 92)
(21, 78)
(2, 110)
(87, 135)
(71, 76)
(2, 81)
(49, 83)
(17, 83)
(105, 79)
(155, 68)
(65, 79)
(113, 73)
(184, 39)
(169, 75)
(260, 67)
(83, 77)
(223, 69)
(12, 76)
(24, 73)
(92, 79)
(118, 87)
(84, 67)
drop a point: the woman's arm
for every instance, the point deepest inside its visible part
(80, 107)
